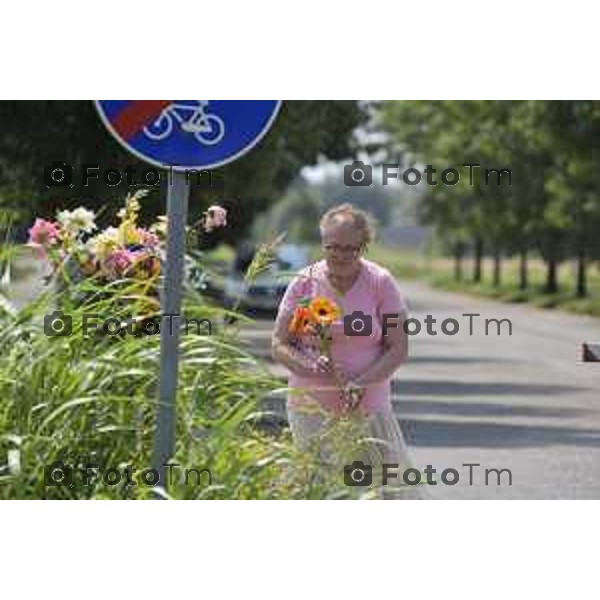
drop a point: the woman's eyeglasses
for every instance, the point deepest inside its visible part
(340, 249)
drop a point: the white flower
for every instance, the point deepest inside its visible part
(77, 220)
(216, 216)
(104, 241)
(91, 245)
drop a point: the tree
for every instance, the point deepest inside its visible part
(552, 149)
(37, 133)
(573, 135)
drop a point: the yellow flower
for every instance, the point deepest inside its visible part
(324, 310)
(133, 206)
(130, 234)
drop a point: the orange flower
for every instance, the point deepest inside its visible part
(303, 318)
(324, 310)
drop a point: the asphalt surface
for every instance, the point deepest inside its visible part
(521, 402)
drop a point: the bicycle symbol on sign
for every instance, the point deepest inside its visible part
(206, 127)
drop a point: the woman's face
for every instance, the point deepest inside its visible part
(342, 244)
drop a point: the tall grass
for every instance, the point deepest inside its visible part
(92, 398)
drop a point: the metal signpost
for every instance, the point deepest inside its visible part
(182, 135)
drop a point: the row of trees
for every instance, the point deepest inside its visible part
(37, 133)
(552, 207)
(300, 209)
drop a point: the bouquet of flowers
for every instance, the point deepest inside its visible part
(311, 324)
(128, 252)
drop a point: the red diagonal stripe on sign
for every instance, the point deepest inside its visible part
(136, 115)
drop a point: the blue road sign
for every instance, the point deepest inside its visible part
(188, 134)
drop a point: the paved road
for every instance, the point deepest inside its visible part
(519, 402)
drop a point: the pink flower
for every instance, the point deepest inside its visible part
(216, 216)
(149, 239)
(118, 262)
(43, 233)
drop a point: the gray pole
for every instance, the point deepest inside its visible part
(164, 432)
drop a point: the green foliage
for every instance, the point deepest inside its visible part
(92, 399)
(300, 209)
(553, 205)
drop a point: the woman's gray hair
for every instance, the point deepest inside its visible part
(362, 219)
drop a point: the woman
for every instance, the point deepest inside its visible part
(355, 379)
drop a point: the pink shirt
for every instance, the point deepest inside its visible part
(374, 292)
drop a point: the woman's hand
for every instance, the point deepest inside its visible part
(351, 391)
(324, 365)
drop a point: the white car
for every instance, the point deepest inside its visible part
(267, 289)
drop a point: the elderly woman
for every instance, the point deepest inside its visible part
(354, 378)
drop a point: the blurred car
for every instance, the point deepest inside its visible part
(267, 289)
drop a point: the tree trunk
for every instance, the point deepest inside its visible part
(478, 260)
(523, 271)
(581, 273)
(458, 256)
(497, 268)
(551, 277)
